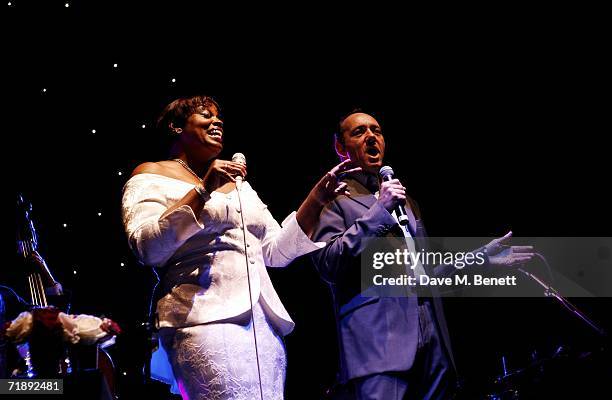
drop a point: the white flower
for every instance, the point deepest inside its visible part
(20, 327)
(82, 327)
(71, 331)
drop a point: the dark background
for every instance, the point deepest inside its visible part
(493, 123)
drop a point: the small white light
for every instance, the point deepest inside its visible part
(123, 264)
(44, 90)
(74, 272)
(10, 4)
(67, 5)
(93, 131)
(65, 225)
(119, 173)
(115, 65)
(143, 126)
(173, 80)
(99, 214)
(125, 373)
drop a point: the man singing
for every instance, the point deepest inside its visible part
(389, 347)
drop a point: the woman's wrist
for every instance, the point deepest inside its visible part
(308, 214)
(202, 192)
(316, 199)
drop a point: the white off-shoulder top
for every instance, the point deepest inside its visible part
(206, 278)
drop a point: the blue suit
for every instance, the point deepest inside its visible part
(378, 337)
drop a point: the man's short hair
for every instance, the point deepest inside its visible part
(338, 133)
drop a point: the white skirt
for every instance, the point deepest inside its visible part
(217, 361)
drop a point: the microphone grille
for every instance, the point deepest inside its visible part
(239, 158)
(386, 171)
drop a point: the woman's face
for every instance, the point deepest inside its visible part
(203, 131)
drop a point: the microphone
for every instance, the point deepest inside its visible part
(386, 174)
(240, 159)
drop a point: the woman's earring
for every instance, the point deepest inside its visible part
(178, 131)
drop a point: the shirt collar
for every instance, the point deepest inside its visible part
(369, 181)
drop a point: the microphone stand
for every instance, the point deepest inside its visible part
(550, 291)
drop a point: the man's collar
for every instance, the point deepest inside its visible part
(368, 180)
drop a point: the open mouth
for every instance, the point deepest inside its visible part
(372, 151)
(216, 134)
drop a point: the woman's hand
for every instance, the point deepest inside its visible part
(322, 193)
(221, 171)
(329, 186)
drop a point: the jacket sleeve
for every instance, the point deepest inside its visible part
(344, 243)
(152, 238)
(284, 243)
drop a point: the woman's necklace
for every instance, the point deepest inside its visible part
(184, 164)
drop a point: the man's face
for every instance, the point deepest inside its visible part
(363, 141)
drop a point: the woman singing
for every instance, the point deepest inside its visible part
(186, 217)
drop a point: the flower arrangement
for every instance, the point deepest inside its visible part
(83, 328)
(47, 334)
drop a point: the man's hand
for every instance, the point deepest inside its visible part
(40, 267)
(392, 194)
(501, 254)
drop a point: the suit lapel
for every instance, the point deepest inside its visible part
(360, 194)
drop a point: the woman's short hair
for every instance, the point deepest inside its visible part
(177, 112)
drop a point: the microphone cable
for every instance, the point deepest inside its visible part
(246, 259)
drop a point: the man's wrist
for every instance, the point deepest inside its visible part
(382, 205)
(383, 215)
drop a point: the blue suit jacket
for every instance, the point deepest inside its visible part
(375, 334)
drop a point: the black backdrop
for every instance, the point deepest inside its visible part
(492, 124)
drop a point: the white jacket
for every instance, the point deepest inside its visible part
(207, 271)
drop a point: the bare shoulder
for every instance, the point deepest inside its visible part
(149, 168)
